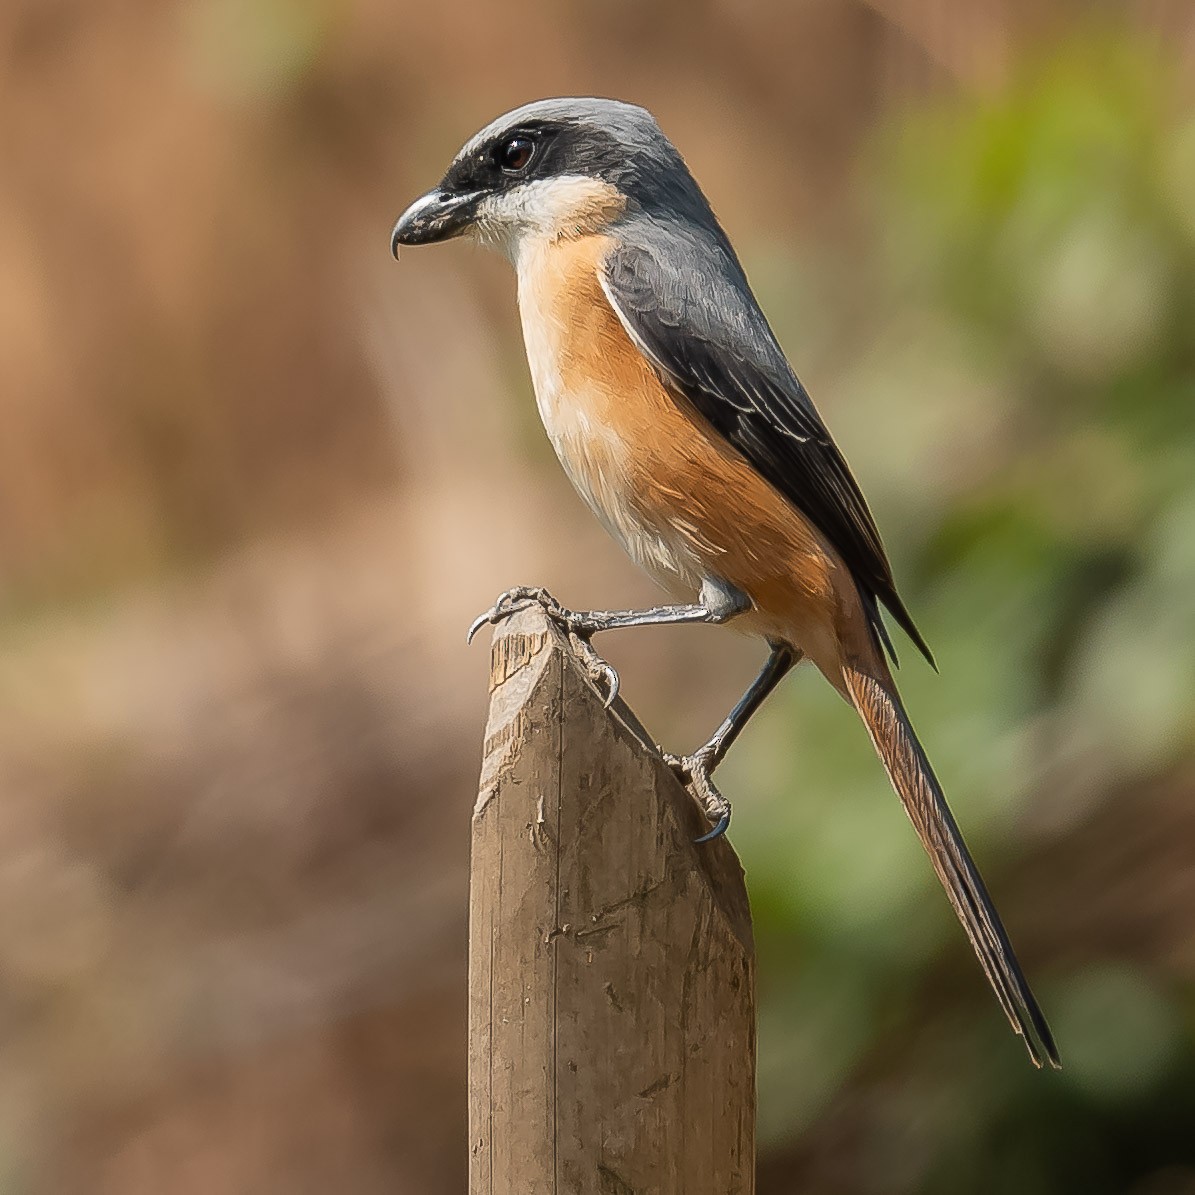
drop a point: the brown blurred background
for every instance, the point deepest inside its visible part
(255, 478)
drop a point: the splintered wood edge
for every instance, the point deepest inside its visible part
(521, 650)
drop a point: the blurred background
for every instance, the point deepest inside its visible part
(255, 478)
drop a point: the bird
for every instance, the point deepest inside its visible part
(680, 422)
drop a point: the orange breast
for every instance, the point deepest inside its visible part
(683, 502)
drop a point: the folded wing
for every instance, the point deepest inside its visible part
(683, 298)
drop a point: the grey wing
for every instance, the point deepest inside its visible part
(685, 301)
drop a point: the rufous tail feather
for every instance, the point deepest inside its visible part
(904, 760)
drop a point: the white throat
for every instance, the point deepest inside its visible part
(544, 210)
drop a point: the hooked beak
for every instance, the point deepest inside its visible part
(436, 216)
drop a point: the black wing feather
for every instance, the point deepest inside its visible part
(684, 299)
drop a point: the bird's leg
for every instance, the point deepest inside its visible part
(695, 771)
(717, 602)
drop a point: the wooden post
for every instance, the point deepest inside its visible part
(611, 962)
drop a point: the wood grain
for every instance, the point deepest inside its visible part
(611, 966)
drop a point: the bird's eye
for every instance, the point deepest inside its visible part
(515, 154)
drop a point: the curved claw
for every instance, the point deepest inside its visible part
(693, 771)
(718, 830)
(575, 625)
(514, 600)
(612, 683)
(477, 624)
(601, 672)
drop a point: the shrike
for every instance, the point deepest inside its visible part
(682, 425)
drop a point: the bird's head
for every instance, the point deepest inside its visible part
(553, 168)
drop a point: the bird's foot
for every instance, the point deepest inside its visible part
(514, 600)
(694, 772)
(578, 625)
(600, 671)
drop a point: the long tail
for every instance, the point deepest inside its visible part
(921, 794)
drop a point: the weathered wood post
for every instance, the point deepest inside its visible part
(611, 962)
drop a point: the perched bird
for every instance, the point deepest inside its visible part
(680, 422)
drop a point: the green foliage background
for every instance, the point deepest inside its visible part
(1030, 315)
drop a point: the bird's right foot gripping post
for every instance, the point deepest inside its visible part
(577, 625)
